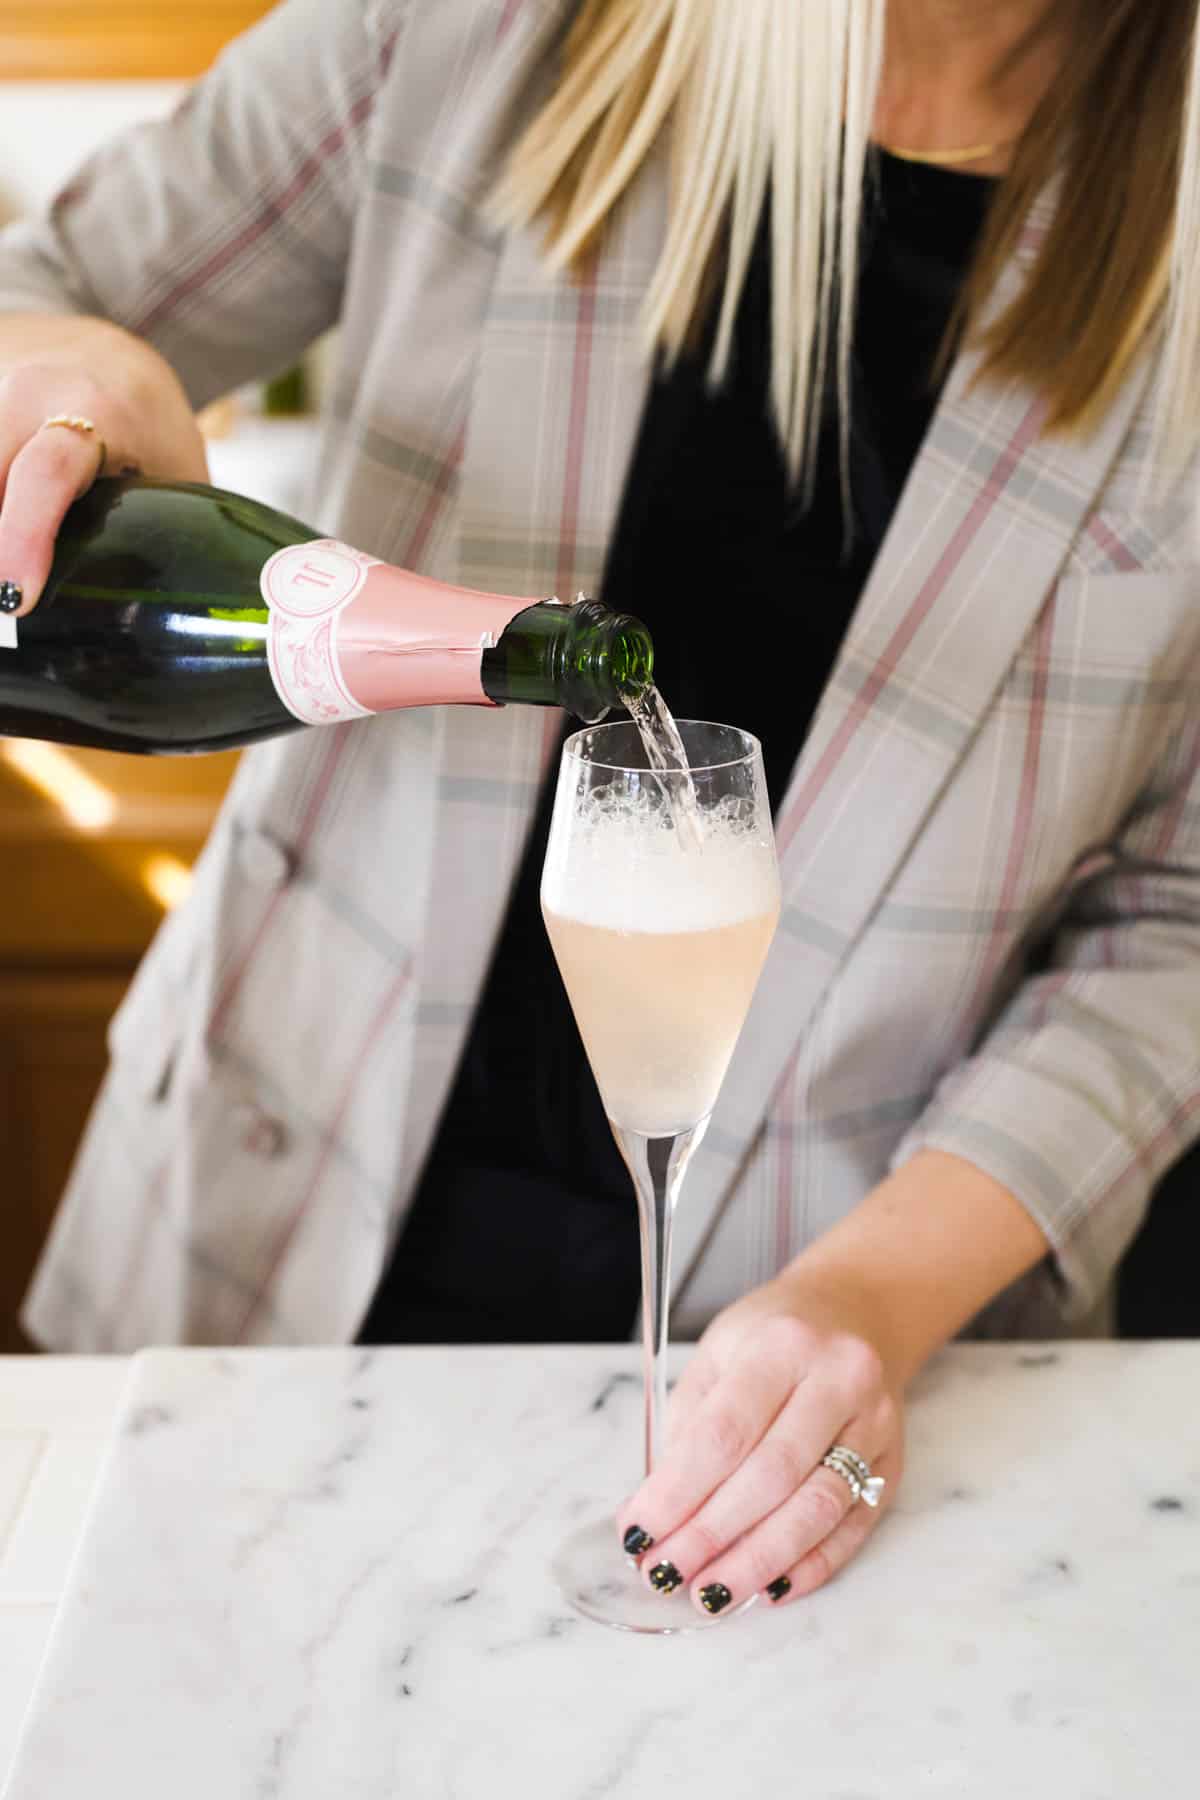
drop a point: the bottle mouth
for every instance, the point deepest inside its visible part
(633, 661)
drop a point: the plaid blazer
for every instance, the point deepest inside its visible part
(1005, 758)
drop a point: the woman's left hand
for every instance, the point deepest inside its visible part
(740, 1503)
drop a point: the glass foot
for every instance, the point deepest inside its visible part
(603, 1585)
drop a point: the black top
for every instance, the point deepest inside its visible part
(524, 1227)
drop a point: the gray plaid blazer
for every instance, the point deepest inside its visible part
(1006, 755)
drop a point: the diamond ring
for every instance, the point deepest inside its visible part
(855, 1471)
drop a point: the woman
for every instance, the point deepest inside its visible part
(953, 594)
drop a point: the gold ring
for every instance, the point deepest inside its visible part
(71, 422)
(84, 427)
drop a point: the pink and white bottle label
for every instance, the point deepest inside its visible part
(306, 587)
(350, 635)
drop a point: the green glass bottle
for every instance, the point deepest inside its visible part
(179, 618)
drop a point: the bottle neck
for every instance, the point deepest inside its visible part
(581, 657)
(410, 641)
(350, 635)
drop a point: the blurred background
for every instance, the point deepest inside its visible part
(95, 848)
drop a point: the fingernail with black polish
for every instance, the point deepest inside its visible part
(779, 1588)
(716, 1597)
(11, 596)
(665, 1578)
(636, 1540)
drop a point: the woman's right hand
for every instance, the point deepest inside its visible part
(78, 369)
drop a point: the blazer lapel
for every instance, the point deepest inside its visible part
(984, 525)
(553, 414)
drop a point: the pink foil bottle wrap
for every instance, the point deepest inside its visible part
(350, 635)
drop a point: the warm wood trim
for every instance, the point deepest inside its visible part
(113, 39)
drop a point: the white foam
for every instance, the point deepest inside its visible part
(626, 870)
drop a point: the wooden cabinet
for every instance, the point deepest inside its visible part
(79, 908)
(52, 1026)
(64, 40)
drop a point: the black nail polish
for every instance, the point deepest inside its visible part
(636, 1540)
(665, 1578)
(715, 1598)
(11, 596)
(779, 1588)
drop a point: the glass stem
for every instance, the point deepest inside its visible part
(657, 1165)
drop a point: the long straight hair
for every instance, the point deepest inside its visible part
(779, 96)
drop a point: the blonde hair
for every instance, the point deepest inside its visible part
(778, 96)
(1178, 407)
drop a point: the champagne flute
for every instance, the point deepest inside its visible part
(660, 894)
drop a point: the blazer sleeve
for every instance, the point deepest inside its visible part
(222, 233)
(1087, 1088)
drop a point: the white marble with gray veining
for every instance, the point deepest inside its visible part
(323, 1576)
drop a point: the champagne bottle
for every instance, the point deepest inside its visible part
(179, 617)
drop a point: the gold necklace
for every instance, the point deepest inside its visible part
(949, 159)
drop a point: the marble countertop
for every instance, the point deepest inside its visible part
(56, 1416)
(323, 1574)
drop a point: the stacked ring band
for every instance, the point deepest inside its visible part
(855, 1471)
